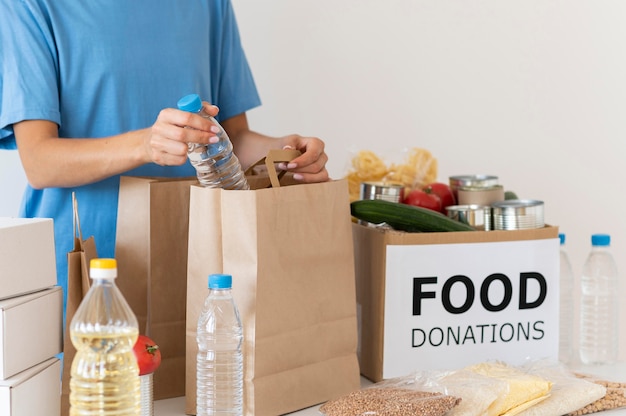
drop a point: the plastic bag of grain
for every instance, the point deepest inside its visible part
(614, 397)
(388, 401)
(569, 392)
(524, 390)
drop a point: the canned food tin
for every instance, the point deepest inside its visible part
(475, 195)
(388, 191)
(476, 216)
(474, 181)
(517, 214)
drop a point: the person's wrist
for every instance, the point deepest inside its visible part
(143, 153)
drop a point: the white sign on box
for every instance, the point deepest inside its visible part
(460, 304)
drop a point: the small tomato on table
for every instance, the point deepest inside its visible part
(148, 355)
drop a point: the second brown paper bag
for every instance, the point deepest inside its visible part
(290, 252)
(151, 252)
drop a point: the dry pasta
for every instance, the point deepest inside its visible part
(418, 169)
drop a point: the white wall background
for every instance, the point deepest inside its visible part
(532, 91)
(12, 182)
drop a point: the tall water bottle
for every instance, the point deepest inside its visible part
(566, 305)
(599, 304)
(219, 375)
(104, 376)
(216, 164)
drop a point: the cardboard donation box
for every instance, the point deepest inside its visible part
(34, 391)
(30, 330)
(26, 255)
(447, 300)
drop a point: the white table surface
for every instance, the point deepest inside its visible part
(176, 406)
(615, 372)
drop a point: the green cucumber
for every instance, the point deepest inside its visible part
(404, 217)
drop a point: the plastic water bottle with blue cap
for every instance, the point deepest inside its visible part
(215, 163)
(566, 304)
(599, 327)
(219, 367)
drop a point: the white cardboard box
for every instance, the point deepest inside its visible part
(27, 255)
(30, 330)
(35, 391)
(429, 301)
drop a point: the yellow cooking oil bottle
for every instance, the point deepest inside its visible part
(105, 376)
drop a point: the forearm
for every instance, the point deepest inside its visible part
(50, 161)
(250, 146)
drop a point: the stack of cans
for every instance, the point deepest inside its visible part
(476, 189)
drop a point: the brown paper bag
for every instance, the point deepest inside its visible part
(290, 251)
(77, 286)
(151, 253)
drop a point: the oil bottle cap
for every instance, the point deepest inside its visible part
(103, 268)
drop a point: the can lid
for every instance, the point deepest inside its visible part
(480, 188)
(480, 180)
(191, 103)
(220, 281)
(600, 240)
(103, 268)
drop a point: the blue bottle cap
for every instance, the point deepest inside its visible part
(191, 103)
(562, 238)
(220, 281)
(600, 240)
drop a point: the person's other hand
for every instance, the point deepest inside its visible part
(167, 139)
(310, 166)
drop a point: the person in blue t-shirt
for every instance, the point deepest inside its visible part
(88, 90)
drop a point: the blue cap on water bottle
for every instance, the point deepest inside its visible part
(600, 240)
(191, 103)
(220, 281)
(562, 238)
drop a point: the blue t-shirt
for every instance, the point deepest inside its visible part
(100, 68)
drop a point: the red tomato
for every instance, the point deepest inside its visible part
(444, 192)
(148, 355)
(423, 199)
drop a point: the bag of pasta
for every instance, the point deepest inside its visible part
(418, 169)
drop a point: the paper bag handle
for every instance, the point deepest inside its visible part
(78, 233)
(274, 156)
